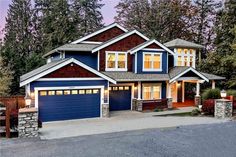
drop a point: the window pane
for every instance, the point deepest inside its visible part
(147, 61)
(59, 92)
(185, 61)
(111, 60)
(147, 93)
(89, 91)
(66, 92)
(115, 88)
(81, 91)
(74, 92)
(185, 51)
(126, 87)
(179, 61)
(121, 60)
(191, 61)
(95, 91)
(43, 93)
(179, 51)
(121, 88)
(157, 61)
(156, 92)
(51, 92)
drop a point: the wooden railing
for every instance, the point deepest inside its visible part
(10, 115)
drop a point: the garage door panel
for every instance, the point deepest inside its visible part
(65, 107)
(120, 99)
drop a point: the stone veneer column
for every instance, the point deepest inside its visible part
(105, 111)
(139, 105)
(223, 108)
(134, 104)
(197, 100)
(28, 122)
(169, 102)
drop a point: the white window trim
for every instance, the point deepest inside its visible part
(188, 55)
(151, 85)
(116, 61)
(152, 54)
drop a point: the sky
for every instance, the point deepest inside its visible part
(108, 11)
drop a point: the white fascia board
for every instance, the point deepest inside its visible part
(98, 32)
(120, 38)
(63, 64)
(151, 42)
(187, 70)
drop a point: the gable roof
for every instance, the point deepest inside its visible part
(73, 47)
(118, 38)
(182, 43)
(98, 32)
(50, 67)
(178, 71)
(147, 43)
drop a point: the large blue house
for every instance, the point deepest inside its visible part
(113, 69)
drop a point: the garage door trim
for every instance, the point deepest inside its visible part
(37, 89)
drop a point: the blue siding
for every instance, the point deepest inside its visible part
(140, 62)
(87, 58)
(67, 83)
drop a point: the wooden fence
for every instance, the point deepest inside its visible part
(12, 105)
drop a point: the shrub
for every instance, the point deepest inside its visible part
(195, 112)
(211, 94)
(208, 106)
(231, 93)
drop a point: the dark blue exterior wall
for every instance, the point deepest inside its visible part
(140, 62)
(87, 58)
(67, 83)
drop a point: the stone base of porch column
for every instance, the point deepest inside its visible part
(137, 105)
(169, 102)
(105, 111)
(197, 100)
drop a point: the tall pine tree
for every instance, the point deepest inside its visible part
(17, 43)
(87, 14)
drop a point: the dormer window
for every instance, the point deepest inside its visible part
(152, 61)
(116, 61)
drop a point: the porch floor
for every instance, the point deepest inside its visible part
(186, 103)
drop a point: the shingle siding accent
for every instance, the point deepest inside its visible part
(122, 45)
(70, 71)
(107, 35)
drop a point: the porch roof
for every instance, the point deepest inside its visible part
(213, 77)
(130, 76)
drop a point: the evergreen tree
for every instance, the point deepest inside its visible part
(163, 20)
(55, 23)
(6, 77)
(204, 21)
(87, 14)
(17, 43)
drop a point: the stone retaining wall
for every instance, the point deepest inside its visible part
(28, 122)
(223, 108)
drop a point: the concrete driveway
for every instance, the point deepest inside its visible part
(119, 121)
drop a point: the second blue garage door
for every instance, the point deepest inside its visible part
(120, 98)
(57, 105)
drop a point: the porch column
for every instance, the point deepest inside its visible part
(139, 90)
(197, 99)
(183, 86)
(198, 89)
(169, 98)
(213, 85)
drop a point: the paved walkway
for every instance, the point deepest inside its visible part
(119, 121)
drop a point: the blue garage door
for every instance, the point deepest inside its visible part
(120, 98)
(69, 104)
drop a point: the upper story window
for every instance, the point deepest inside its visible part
(152, 61)
(116, 61)
(186, 57)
